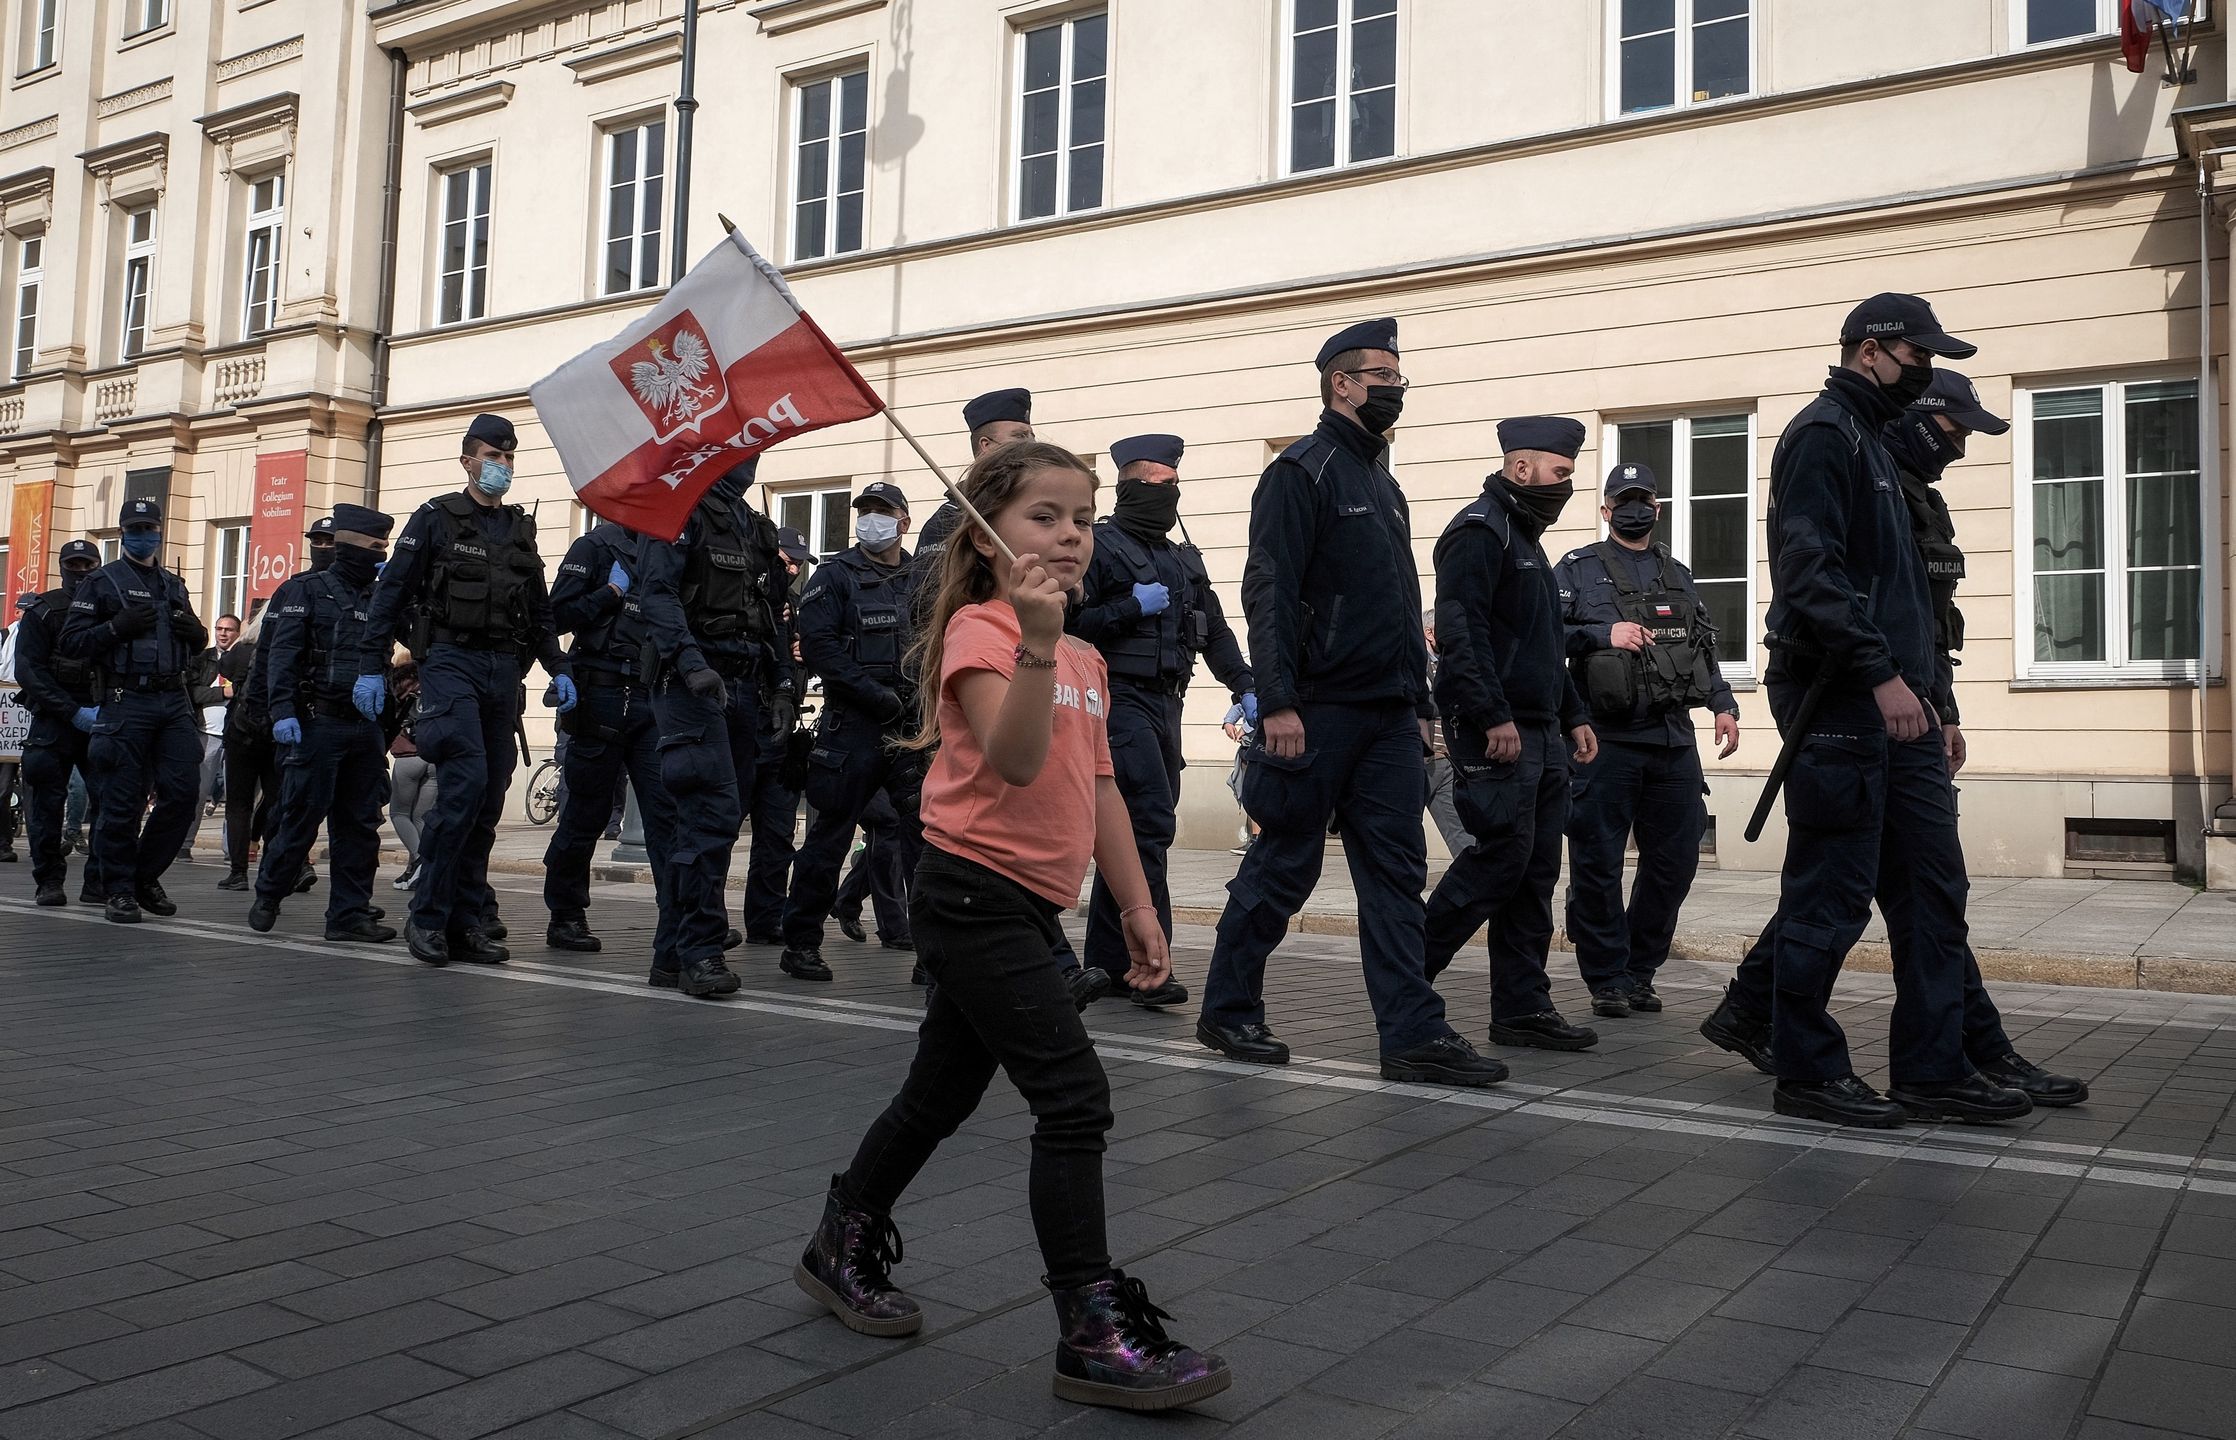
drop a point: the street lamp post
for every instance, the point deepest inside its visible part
(686, 107)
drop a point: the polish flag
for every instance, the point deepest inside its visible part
(725, 366)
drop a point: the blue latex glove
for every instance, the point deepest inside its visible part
(618, 578)
(1249, 707)
(288, 731)
(85, 717)
(1152, 598)
(1234, 713)
(564, 687)
(368, 695)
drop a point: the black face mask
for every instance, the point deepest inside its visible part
(72, 579)
(1928, 448)
(1145, 510)
(1381, 408)
(1634, 519)
(1905, 391)
(1541, 503)
(355, 564)
(322, 556)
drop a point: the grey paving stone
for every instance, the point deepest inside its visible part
(680, 1339)
(1407, 1370)
(699, 1391)
(363, 1337)
(2200, 1279)
(142, 1398)
(1735, 1355)
(1647, 1407)
(387, 1289)
(511, 1397)
(2061, 1343)
(1485, 1412)
(1929, 1294)
(298, 1406)
(1344, 1317)
(1645, 1306)
(24, 1382)
(556, 1284)
(228, 1330)
(1584, 1266)
(2074, 1288)
(1711, 1260)
(1891, 1347)
(1501, 1312)
(1793, 1299)
(1818, 1404)
(2177, 1395)
(1569, 1362)
(1999, 1402)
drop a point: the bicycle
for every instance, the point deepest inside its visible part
(542, 800)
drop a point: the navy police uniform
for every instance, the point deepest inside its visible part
(714, 600)
(135, 623)
(333, 760)
(854, 633)
(611, 732)
(469, 579)
(1501, 658)
(1646, 780)
(1332, 600)
(1150, 641)
(773, 806)
(60, 693)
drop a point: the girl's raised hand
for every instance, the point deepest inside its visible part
(1039, 603)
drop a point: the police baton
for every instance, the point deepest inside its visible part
(1797, 735)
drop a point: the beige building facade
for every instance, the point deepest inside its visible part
(1649, 214)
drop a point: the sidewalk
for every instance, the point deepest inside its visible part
(2118, 934)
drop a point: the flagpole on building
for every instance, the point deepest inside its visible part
(686, 107)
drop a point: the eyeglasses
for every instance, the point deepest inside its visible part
(1381, 375)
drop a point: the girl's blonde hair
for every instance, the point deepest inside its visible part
(960, 575)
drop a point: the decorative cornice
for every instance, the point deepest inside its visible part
(134, 98)
(249, 62)
(252, 117)
(779, 16)
(149, 153)
(645, 54)
(442, 109)
(26, 197)
(25, 134)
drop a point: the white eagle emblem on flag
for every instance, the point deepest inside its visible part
(673, 377)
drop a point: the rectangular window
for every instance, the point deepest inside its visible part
(1342, 82)
(1670, 53)
(229, 578)
(830, 164)
(463, 288)
(138, 278)
(1707, 470)
(141, 16)
(636, 192)
(42, 49)
(30, 273)
(2112, 499)
(267, 221)
(822, 515)
(1063, 81)
(2045, 22)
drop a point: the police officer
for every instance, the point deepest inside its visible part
(135, 622)
(877, 876)
(333, 760)
(64, 704)
(1642, 651)
(996, 418)
(1923, 440)
(1148, 605)
(774, 805)
(252, 769)
(1331, 595)
(611, 732)
(466, 574)
(854, 633)
(1869, 803)
(1512, 722)
(715, 602)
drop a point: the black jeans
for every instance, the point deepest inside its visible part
(997, 999)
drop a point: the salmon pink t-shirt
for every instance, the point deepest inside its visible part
(1040, 835)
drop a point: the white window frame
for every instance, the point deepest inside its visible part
(815, 497)
(42, 40)
(648, 227)
(268, 227)
(2114, 667)
(834, 137)
(1677, 501)
(23, 312)
(1681, 83)
(136, 282)
(1066, 85)
(1346, 17)
(228, 568)
(2107, 23)
(143, 16)
(473, 293)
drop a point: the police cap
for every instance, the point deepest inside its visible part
(1630, 476)
(142, 511)
(882, 492)
(1162, 450)
(323, 525)
(1553, 434)
(362, 520)
(1953, 395)
(79, 550)
(1366, 335)
(493, 430)
(1891, 316)
(1016, 405)
(793, 544)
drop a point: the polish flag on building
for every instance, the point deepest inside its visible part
(725, 366)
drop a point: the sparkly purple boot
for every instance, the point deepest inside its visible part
(1115, 1352)
(848, 1267)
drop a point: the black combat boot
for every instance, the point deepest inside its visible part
(1545, 1030)
(122, 909)
(235, 880)
(572, 933)
(154, 901)
(428, 946)
(474, 946)
(1974, 1100)
(363, 929)
(1748, 1036)
(848, 1266)
(2015, 1071)
(262, 915)
(1114, 1351)
(705, 978)
(1842, 1101)
(804, 963)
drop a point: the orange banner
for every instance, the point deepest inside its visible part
(29, 543)
(275, 526)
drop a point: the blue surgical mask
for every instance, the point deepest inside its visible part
(493, 477)
(141, 545)
(876, 531)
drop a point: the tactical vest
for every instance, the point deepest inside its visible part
(1676, 672)
(1944, 562)
(75, 676)
(1165, 646)
(478, 594)
(157, 654)
(879, 635)
(330, 604)
(619, 643)
(725, 576)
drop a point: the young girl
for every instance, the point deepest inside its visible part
(1019, 793)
